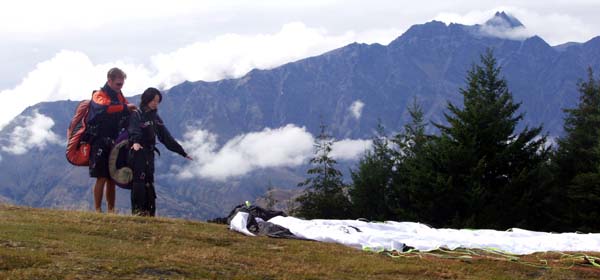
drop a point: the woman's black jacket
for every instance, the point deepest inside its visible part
(145, 126)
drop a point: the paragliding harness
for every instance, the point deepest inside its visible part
(256, 221)
(78, 136)
(121, 161)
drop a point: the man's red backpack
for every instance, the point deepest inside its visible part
(78, 151)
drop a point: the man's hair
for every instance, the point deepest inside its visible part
(114, 73)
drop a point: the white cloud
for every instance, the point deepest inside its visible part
(233, 55)
(518, 33)
(356, 108)
(286, 146)
(222, 38)
(563, 27)
(68, 75)
(72, 75)
(497, 28)
(349, 149)
(71, 16)
(34, 133)
(553, 26)
(470, 18)
(31, 16)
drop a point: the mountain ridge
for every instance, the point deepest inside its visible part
(429, 61)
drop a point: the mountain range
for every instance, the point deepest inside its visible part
(429, 61)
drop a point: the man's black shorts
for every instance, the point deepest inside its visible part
(100, 149)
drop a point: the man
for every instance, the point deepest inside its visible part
(107, 115)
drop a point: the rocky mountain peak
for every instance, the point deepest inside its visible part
(504, 20)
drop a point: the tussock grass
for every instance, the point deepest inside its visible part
(54, 244)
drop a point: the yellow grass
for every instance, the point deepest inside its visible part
(53, 244)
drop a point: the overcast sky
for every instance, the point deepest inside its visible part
(55, 50)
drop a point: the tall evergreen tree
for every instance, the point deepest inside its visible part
(577, 159)
(370, 190)
(479, 171)
(412, 139)
(324, 196)
(408, 144)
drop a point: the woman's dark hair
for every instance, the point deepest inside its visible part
(148, 95)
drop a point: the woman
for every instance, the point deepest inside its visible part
(144, 126)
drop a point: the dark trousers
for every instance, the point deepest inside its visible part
(143, 196)
(99, 150)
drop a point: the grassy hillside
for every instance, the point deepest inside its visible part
(51, 244)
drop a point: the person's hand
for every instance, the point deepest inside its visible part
(131, 107)
(189, 157)
(136, 147)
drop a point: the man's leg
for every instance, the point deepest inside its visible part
(98, 190)
(110, 196)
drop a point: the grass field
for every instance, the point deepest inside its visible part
(54, 244)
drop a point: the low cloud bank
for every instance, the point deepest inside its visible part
(287, 146)
(34, 132)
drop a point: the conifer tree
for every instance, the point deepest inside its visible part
(408, 144)
(577, 160)
(412, 139)
(324, 196)
(479, 171)
(370, 190)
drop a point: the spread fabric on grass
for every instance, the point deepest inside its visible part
(390, 235)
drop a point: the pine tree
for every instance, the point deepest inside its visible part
(370, 190)
(412, 139)
(479, 170)
(324, 195)
(577, 159)
(407, 146)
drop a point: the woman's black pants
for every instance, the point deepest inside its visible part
(143, 196)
